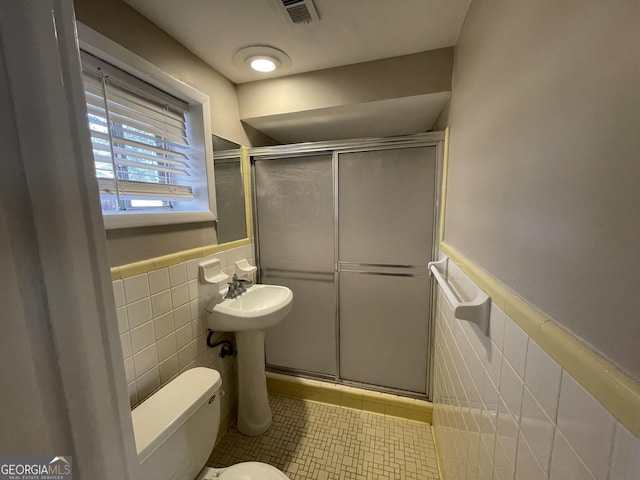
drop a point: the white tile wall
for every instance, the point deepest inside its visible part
(158, 280)
(625, 464)
(136, 288)
(162, 325)
(582, 420)
(505, 410)
(543, 376)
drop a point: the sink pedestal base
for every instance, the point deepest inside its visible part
(254, 412)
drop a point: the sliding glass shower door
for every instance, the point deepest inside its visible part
(294, 206)
(350, 232)
(385, 239)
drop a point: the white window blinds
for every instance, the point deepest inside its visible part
(140, 140)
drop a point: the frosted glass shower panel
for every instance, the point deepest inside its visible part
(386, 200)
(305, 339)
(295, 213)
(294, 208)
(384, 330)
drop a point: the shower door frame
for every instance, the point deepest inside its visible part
(335, 148)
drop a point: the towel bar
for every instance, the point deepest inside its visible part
(476, 311)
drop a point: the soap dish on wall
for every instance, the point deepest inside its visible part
(243, 268)
(211, 272)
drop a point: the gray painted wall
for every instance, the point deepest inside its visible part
(544, 166)
(134, 244)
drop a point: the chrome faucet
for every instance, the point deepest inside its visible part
(237, 286)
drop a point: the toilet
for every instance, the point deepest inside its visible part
(176, 428)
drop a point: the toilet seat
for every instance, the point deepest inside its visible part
(252, 471)
(246, 471)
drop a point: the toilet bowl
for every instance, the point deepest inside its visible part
(176, 428)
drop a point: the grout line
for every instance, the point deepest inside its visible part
(557, 412)
(613, 444)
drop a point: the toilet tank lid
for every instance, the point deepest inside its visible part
(159, 416)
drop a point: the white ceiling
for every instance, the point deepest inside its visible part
(349, 31)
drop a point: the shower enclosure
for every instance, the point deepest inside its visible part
(349, 227)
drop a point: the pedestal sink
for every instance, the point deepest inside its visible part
(248, 315)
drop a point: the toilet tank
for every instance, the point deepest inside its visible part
(176, 428)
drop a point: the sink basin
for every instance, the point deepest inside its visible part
(260, 307)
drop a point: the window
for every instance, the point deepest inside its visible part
(149, 147)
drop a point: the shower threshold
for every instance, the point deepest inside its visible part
(412, 407)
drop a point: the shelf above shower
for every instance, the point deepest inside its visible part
(475, 311)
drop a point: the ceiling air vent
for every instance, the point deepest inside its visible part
(300, 11)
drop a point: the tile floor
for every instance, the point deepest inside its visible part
(314, 441)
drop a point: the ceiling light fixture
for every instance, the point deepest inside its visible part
(263, 64)
(261, 58)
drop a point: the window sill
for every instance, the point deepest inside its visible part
(116, 221)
